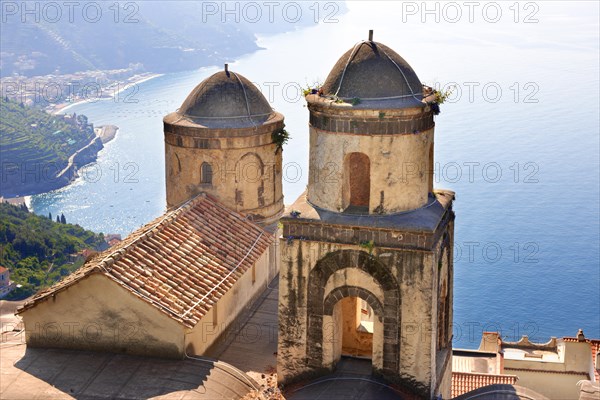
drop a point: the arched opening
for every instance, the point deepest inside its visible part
(206, 174)
(357, 183)
(357, 327)
(250, 174)
(352, 327)
(323, 338)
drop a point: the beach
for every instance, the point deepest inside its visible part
(110, 92)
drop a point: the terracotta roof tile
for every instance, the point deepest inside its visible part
(182, 262)
(464, 382)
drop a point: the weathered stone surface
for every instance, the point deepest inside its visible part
(221, 142)
(370, 226)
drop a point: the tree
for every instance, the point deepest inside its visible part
(58, 219)
(63, 220)
(50, 216)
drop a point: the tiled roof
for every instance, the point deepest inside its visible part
(182, 262)
(2, 269)
(464, 382)
(595, 347)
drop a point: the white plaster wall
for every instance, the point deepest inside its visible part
(207, 331)
(98, 314)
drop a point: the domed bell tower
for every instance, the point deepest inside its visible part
(371, 137)
(222, 141)
(366, 252)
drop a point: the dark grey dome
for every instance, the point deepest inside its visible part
(372, 71)
(226, 100)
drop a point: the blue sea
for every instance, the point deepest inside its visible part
(518, 141)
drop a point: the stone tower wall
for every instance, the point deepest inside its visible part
(398, 144)
(245, 163)
(400, 284)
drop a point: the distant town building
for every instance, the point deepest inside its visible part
(113, 242)
(112, 236)
(6, 286)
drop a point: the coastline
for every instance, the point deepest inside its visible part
(122, 85)
(106, 133)
(103, 134)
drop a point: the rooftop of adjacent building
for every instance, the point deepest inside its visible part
(67, 374)
(472, 369)
(180, 263)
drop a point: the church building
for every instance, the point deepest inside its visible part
(173, 287)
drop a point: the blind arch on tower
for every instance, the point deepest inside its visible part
(357, 180)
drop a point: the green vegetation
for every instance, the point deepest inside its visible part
(38, 251)
(280, 138)
(439, 98)
(368, 245)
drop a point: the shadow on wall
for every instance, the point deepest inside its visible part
(85, 375)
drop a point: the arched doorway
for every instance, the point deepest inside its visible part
(357, 182)
(322, 318)
(345, 331)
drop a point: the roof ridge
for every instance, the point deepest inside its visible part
(237, 214)
(145, 232)
(128, 263)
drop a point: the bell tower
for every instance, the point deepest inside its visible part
(370, 237)
(223, 141)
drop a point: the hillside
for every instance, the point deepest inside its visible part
(35, 148)
(162, 37)
(38, 251)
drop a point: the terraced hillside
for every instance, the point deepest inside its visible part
(35, 148)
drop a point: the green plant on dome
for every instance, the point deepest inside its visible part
(280, 137)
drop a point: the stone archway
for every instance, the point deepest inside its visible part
(346, 291)
(332, 323)
(318, 306)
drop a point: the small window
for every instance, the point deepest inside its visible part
(206, 174)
